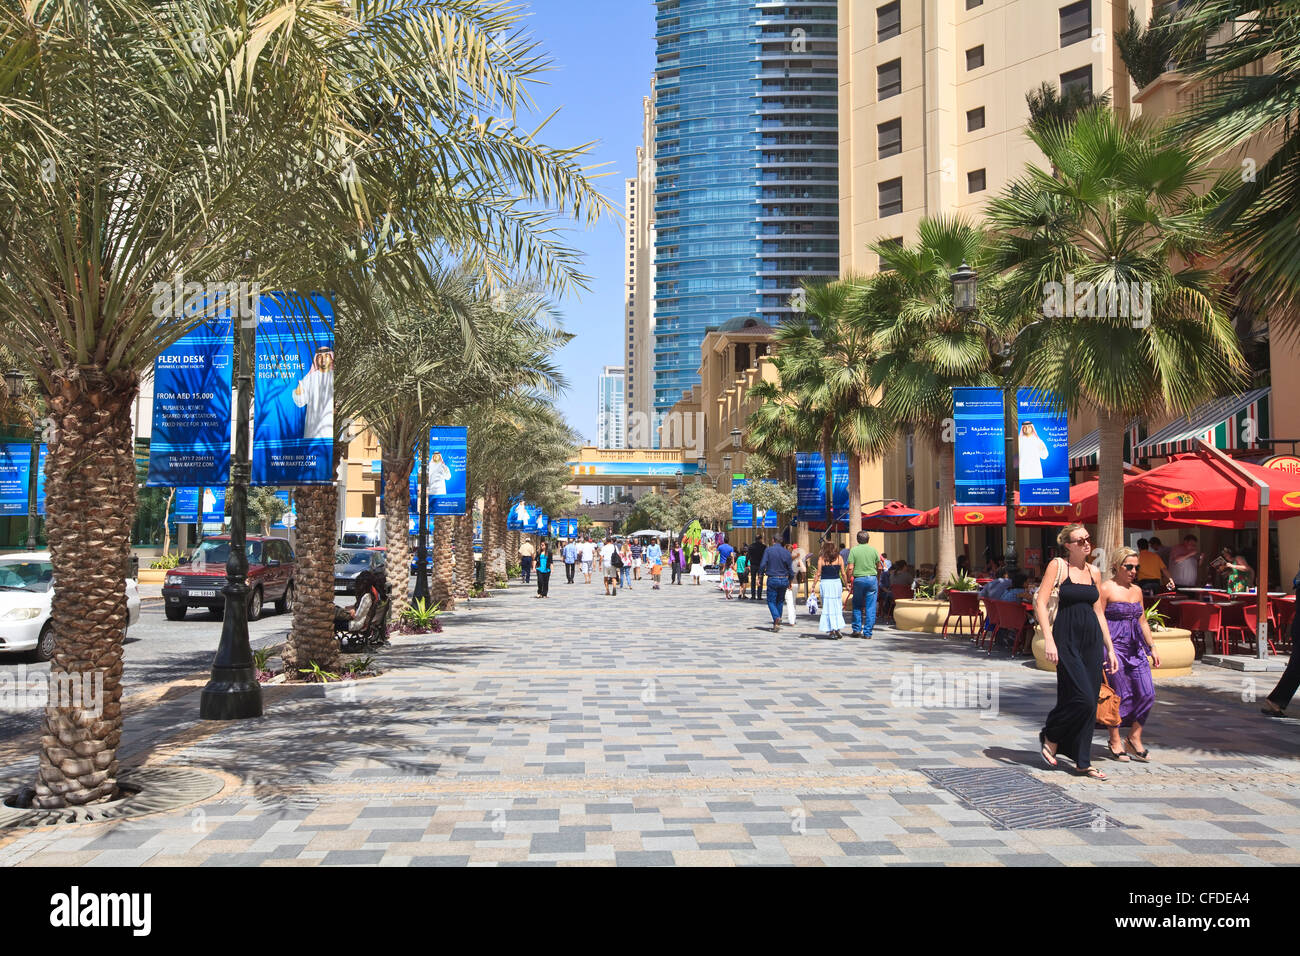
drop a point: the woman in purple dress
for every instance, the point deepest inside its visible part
(1126, 620)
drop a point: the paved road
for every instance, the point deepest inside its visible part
(673, 727)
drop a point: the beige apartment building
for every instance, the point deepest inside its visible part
(638, 295)
(932, 113)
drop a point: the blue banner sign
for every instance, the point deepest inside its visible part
(979, 455)
(1043, 437)
(810, 486)
(742, 512)
(767, 519)
(565, 527)
(517, 518)
(15, 476)
(40, 481)
(448, 454)
(293, 423)
(185, 506)
(290, 518)
(214, 506)
(190, 441)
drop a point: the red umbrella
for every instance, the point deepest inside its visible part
(895, 516)
(1200, 488)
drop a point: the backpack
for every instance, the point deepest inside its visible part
(616, 559)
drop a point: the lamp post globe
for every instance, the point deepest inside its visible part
(964, 282)
(735, 438)
(14, 382)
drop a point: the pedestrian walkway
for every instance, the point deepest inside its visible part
(673, 727)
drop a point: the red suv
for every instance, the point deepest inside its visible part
(199, 583)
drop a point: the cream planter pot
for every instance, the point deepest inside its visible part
(913, 614)
(153, 575)
(1174, 644)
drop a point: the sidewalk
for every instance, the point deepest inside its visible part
(672, 727)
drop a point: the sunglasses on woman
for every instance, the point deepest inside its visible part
(1130, 567)
(1084, 540)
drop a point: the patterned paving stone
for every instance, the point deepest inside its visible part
(669, 728)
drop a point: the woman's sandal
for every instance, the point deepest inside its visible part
(1122, 757)
(1048, 757)
(1092, 772)
(1132, 748)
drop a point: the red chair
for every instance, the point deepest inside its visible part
(1283, 615)
(1204, 619)
(1014, 616)
(901, 592)
(964, 606)
(1245, 621)
(991, 625)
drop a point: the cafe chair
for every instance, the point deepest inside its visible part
(1205, 621)
(964, 606)
(1246, 623)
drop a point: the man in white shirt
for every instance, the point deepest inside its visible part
(587, 555)
(315, 393)
(438, 474)
(607, 562)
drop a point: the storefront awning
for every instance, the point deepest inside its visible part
(1235, 422)
(1083, 453)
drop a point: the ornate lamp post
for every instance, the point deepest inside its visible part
(964, 285)
(14, 381)
(233, 692)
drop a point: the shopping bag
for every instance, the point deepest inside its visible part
(813, 609)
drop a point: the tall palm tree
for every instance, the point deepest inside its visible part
(1250, 91)
(926, 348)
(222, 142)
(1127, 208)
(825, 395)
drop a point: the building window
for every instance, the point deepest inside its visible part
(975, 57)
(896, 241)
(972, 4)
(889, 79)
(891, 197)
(1076, 22)
(975, 180)
(889, 138)
(887, 23)
(1080, 79)
(974, 119)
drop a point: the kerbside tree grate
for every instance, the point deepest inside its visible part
(1014, 800)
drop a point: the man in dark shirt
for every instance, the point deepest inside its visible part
(755, 556)
(779, 568)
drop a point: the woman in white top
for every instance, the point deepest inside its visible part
(1033, 452)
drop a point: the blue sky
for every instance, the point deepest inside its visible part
(603, 59)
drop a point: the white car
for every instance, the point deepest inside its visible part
(26, 581)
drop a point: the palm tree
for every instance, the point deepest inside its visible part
(825, 398)
(221, 142)
(1250, 89)
(926, 348)
(1126, 210)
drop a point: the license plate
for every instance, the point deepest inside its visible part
(340, 589)
(205, 593)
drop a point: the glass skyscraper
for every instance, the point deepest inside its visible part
(746, 169)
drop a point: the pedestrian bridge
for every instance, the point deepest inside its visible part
(631, 466)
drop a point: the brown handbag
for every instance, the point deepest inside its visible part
(1107, 704)
(1054, 600)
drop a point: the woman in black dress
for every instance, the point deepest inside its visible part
(1077, 642)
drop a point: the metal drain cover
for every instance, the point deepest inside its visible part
(1014, 800)
(147, 790)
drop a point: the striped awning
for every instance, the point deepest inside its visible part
(1231, 423)
(1083, 453)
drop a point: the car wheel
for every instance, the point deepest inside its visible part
(285, 604)
(44, 645)
(255, 604)
(175, 613)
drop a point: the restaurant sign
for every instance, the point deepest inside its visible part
(1285, 463)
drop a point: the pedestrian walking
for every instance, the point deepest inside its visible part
(799, 561)
(778, 568)
(755, 563)
(543, 569)
(1131, 638)
(608, 556)
(729, 582)
(830, 584)
(1279, 699)
(635, 549)
(863, 570)
(655, 557)
(627, 564)
(587, 557)
(675, 561)
(570, 555)
(697, 566)
(742, 574)
(526, 553)
(1077, 641)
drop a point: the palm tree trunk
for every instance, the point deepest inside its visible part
(440, 592)
(167, 528)
(397, 509)
(90, 504)
(464, 555)
(311, 639)
(855, 497)
(494, 525)
(1110, 482)
(827, 457)
(947, 564)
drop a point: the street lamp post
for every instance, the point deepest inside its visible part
(233, 692)
(14, 380)
(964, 285)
